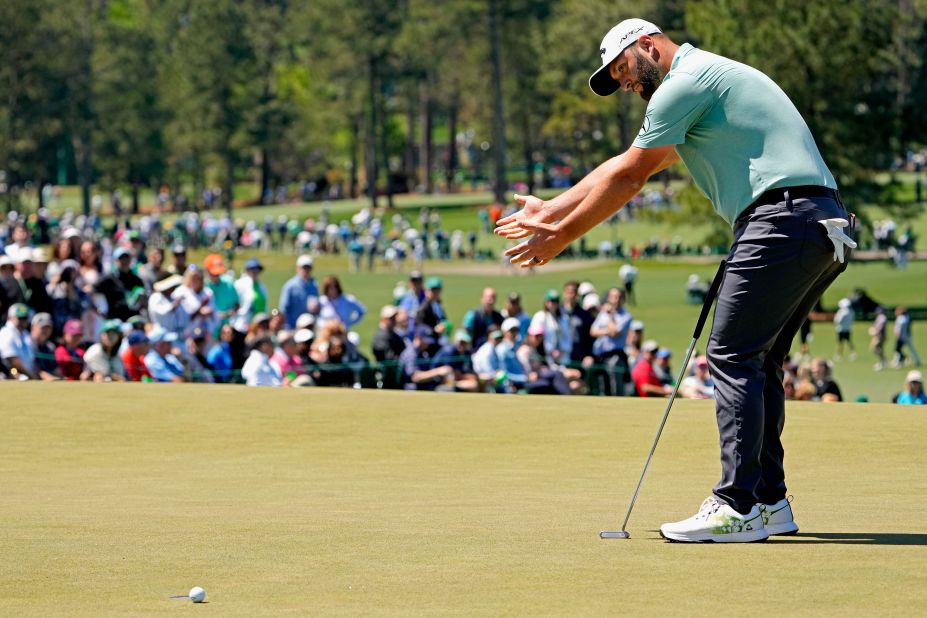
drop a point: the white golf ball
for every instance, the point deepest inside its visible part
(197, 594)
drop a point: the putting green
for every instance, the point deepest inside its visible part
(324, 502)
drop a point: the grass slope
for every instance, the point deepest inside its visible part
(323, 502)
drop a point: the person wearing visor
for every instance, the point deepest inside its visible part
(751, 153)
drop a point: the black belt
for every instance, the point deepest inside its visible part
(776, 196)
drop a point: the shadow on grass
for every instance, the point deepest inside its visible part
(854, 538)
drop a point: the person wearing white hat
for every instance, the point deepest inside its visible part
(165, 307)
(913, 392)
(296, 292)
(750, 151)
(843, 321)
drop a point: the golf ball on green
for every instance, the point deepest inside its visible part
(197, 594)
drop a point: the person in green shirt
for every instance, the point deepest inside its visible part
(224, 294)
(749, 150)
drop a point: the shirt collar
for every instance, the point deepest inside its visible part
(684, 50)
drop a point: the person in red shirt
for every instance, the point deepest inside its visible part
(646, 380)
(133, 357)
(70, 355)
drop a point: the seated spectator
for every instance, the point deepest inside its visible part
(258, 370)
(478, 322)
(162, 363)
(485, 362)
(387, 345)
(333, 370)
(102, 359)
(645, 377)
(16, 343)
(696, 290)
(70, 354)
(913, 392)
(259, 328)
(416, 361)
(542, 380)
(515, 375)
(287, 359)
(662, 366)
(198, 365)
(826, 388)
(635, 339)
(46, 366)
(698, 385)
(219, 355)
(457, 355)
(69, 301)
(133, 357)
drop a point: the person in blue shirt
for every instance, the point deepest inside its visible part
(505, 351)
(413, 298)
(160, 361)
(914, 390)
(334, 304)
(297, 291)
(219, 355)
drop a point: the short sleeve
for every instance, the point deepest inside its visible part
(676, 106)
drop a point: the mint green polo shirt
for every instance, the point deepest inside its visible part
(734, 128)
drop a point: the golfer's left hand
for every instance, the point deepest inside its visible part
(545, 244)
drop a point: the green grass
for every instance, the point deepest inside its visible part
(324, 502)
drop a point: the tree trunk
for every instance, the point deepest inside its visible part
(135, 197)
(428, 150)
(384, 136)
(498, 124)
(528, 151)
(355, 160)
(227, 190)
(265, 173)
(410, 160)
(451, 172)
(371, 150)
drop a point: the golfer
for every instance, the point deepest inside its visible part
(748, 149)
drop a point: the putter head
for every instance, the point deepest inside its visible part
(614, 534)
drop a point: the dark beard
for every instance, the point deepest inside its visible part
(648, 74)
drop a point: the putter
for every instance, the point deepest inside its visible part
(706, 307)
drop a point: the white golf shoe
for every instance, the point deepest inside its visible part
(717, 522)
(778, 517)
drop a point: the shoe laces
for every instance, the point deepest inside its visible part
(709, 506)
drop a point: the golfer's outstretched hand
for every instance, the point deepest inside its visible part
(546, 243)
(512, 227)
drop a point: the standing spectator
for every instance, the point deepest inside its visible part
(133, 357)
(878, 332)
(826, 388)
(8, 285)
(555, 324)
(164, 306)
(69, 301)
(914, 390)
(198, 365)
(485, 362)
(224, 296)
(431, 313)
(252, 294)
(628, 275)
(294, 297)
(46, 367)
(513, 309)
(646, 380)
(412, 299)
(102, 358)
(387, 345)
(16, 343)
(258, 370)
(843, 321)
(903, 337)
(178, 260)
(336, 305)
(610, 329)
(580, 324)
(113, 288)
(69, 354)
(478, 321)
(635, 340)
(699, 384)
(31, 288)
(91, 265)
(197, 301)
(153, 270)
(20, 241)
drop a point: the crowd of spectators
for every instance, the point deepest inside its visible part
(128, 310)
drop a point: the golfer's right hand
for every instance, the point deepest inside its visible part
(532, 211)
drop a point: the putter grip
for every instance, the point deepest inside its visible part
(709, 300)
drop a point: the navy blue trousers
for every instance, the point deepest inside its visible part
(779, 265)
